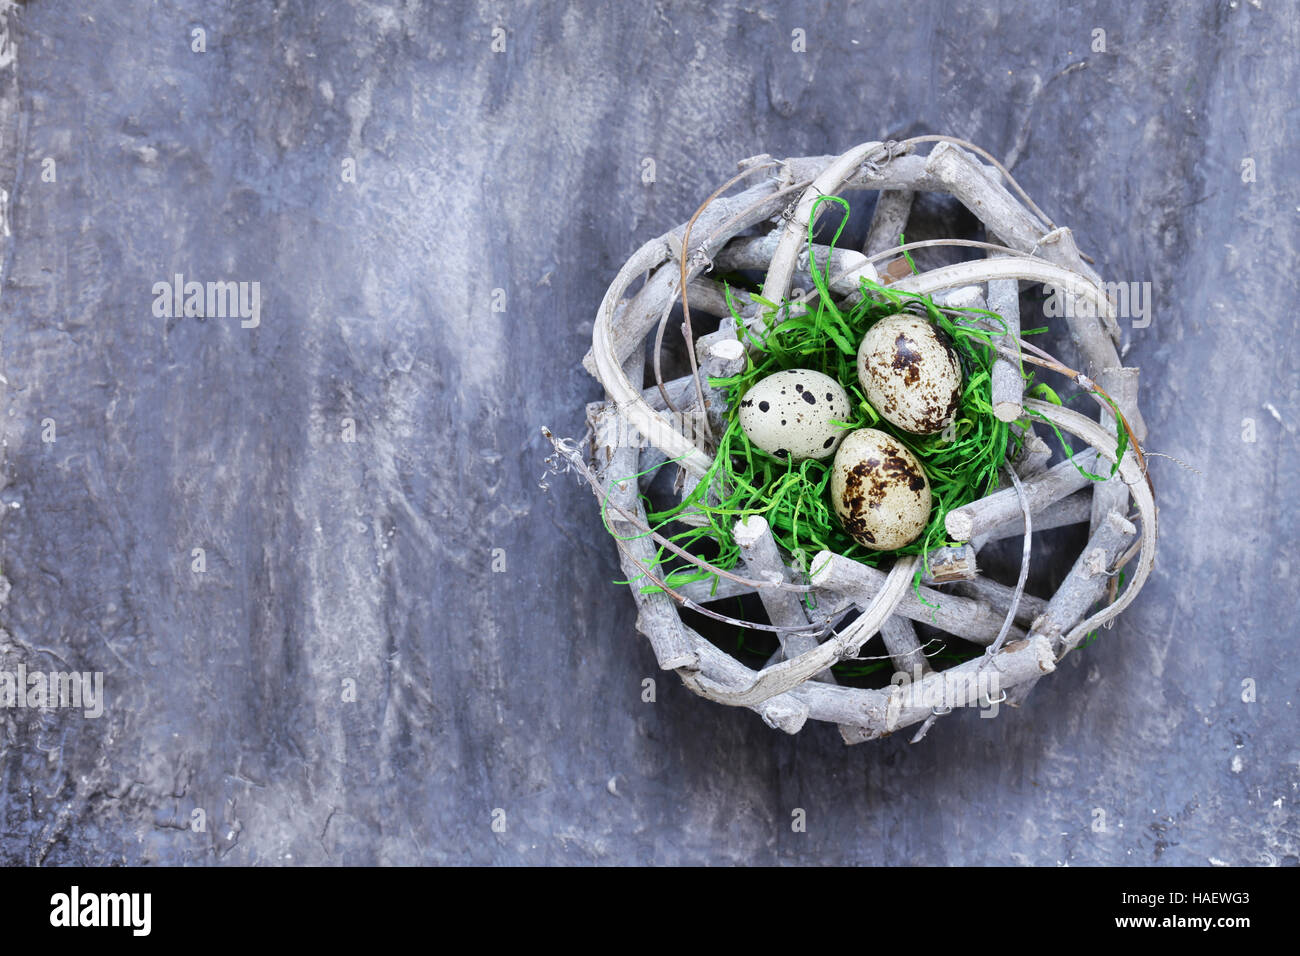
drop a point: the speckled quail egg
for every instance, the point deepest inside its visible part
(788, 414)
(879, 490)
(910, 374)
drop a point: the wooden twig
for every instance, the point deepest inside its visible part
(737, 212)
(705, 591)
(901, 172)
(860, 583)
(960, 563)
(1104, 401)
(1085, 584)
(1059, 246)
(1013, 605)
(762, 560)
(653, 425)
(1023, 267)
(657, 616)
(1130, 469)
(710, 297)
(845, 265)
(723, 358)
(1033, 455)
(1072, 509)
(791, 673)
(965, 178)
(998, 597)
(899, 637)
(574, 460)
(1008, 385)
(1018, 591)
(893, 207)
(1083, 587)
(1003, 506)
(827, 183)
(785, 712)
(995, 171)
(683, 286)
(1112, 495)
(877, 714)
(679, 390)
(961, 299)
(950, 564)
(964, 685)
(720, 357)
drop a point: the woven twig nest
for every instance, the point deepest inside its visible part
(765, 225)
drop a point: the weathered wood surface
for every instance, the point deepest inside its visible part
(372, 561)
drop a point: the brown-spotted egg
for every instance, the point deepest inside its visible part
(879, 490)
(788, 414)
(910, 374)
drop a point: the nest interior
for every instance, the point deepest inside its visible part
(735, 599)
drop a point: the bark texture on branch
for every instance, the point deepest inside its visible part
(1086, 583)
(950, 564)
(709, 296)
(893, 207)
(828, 182)
(762, 559)
(1072, 509)
(657, 616)
(902, 172)
(790, 674)
(843, 266)
(784, 712)
(877, 714)
(743, 210)
(1120, 384)
(969, 684)
(966, 178)
(1033, 455)
(1083, 587)
(859, 583)
(962, 297)
(1130, 468)
(899, 637)
(1008, 386)
(720, 357)
(1003, 506)
(998, 597)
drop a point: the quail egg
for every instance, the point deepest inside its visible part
(879, 490)
(910, 374)
(788, 414)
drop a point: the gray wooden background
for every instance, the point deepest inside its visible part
(328, 561)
